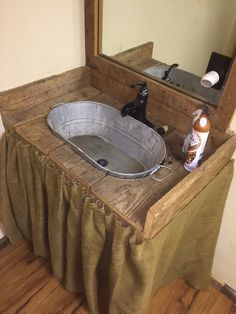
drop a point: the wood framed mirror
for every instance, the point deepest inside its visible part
(166, 104)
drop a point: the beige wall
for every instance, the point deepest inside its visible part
(46, 38)
(224, 266)
(184, 32)
(39, 39)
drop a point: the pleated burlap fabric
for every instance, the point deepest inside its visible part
(90, 246)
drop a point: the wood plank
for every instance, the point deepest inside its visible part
(34, 286)
(176, 298)
(30, 112)
(108, 100)
(7, 259)
(75, 166)
(20, 280)
(182, 193)
(45, 89)
(22, 245)
(34, 299)
(91, 29)
(211, 302)
(136, 55)
(37, 133)
(132, 198)
(52, 298)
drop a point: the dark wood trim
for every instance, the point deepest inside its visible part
(226, 107)
(91, 9)
(177, 100)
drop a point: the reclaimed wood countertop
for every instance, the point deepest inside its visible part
(139, 202)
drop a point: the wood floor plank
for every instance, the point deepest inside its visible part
(53, 298)
(29, 287)
(21, 282)
(11, 249)
(13, 256)
(34, 302)
(33, 287)
(175, 298)
(211, 301)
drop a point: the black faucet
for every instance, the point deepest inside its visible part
(166, 76)
(137, 107)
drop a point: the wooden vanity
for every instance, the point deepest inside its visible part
(144, 203)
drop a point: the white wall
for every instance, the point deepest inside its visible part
(39, 39)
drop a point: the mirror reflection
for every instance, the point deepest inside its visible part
(176, 42)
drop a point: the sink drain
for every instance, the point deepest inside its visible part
(102, 162)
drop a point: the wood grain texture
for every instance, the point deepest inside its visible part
(136, 55)
(176, 298)
(182, 193)
(29, 287)
(133, 198)
(75, 166)
(37, 133)
(211, 302)
(34, 111)
(91, 29)
(45, 89)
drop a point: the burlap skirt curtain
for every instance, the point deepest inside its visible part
(89, 246)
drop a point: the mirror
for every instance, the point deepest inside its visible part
(151, 36)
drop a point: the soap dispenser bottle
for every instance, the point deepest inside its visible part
(196, 115)
(199, 136)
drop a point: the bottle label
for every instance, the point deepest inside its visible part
(195, 150)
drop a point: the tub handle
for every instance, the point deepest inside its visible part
(152, 174)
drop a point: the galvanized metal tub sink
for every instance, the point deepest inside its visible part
(120, 146)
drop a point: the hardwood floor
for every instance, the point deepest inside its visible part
(28, 287)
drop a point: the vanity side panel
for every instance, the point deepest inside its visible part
(171, 204)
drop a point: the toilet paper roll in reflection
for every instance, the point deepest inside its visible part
(210, 79)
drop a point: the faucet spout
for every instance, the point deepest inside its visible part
(166, 76)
